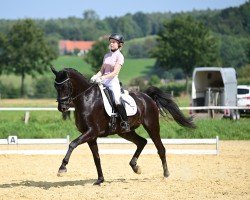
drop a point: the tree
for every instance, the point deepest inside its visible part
(142, 20)
(185, 43)
(232, 52)
(95, 56)
(25, 51)
(128, 27)
(90, 15)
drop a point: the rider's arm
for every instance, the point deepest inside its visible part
(116, 71)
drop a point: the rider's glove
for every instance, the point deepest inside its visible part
(98, 80)
(93, 78)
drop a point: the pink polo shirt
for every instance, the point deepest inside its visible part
(111, 59)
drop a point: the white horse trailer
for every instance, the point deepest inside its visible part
(215, 86)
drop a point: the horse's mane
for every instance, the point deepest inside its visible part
(74, 71)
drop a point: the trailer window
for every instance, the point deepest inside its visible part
(243, 91)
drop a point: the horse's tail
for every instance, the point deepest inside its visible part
(165, 103)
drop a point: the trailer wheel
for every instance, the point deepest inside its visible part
(233, 115)
(237, 115)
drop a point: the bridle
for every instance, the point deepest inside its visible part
(66, 99)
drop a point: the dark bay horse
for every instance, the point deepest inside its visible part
(92, 121)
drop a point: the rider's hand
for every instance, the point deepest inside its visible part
(98, 80)
(93, 78)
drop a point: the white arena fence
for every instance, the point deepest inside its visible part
(13, 140)
(214, 141)
(28, 109)
(72, 109)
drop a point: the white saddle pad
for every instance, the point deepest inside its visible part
(130, 104)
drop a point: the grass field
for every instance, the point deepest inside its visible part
(49, 124)
(132, 68)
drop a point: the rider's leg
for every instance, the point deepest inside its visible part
(124, 124)
(114, 85)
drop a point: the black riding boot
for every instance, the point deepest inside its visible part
(122, 112)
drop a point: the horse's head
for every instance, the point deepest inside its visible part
(64, 89)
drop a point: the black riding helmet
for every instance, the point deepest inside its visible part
(117, 37)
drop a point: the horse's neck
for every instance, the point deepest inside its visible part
(88, 96)
(80, 85)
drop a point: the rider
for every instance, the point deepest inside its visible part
(108, 75)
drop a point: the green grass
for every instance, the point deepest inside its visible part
(50, 125)
(132, 68)
(73, 62)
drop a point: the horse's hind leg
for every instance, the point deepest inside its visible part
(153, 129)
(140, 142)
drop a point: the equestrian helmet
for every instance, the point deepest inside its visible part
(117, 37)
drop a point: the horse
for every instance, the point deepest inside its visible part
(92, 121)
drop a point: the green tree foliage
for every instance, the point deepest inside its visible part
(25, 51)
(185, 43)
(154, 80)
(128, 27)
(95, 56)
(230, 21)
(232, 52)
(140, 48)
(3, 51)
(44, 87)
(244, 72)
(143, 21)
(90, 15)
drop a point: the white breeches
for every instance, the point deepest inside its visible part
(114, 85)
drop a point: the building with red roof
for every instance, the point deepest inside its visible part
(79, 47)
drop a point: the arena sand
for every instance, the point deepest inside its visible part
(225, 176)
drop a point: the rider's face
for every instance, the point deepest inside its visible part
(113, 44)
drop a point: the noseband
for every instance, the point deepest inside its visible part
(67, 99)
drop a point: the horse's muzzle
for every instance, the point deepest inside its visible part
(63, 107)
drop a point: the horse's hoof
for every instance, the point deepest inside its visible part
(98, 182)
(164, 179)
(167, 174)
(137, 169)
(61, 172)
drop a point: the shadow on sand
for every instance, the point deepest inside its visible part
(47, 185)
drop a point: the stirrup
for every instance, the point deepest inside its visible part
(125, 126)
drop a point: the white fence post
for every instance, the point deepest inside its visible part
(26, 117)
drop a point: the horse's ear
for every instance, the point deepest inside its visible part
(53, 70)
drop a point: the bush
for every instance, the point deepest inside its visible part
(177, 88)
(139, 81)
(244, 81)
(44, 88)
(154, 80)
(9, 91)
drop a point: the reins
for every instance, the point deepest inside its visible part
(69, 98)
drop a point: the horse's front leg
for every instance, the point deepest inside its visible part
(81, 139)
(94, 149)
